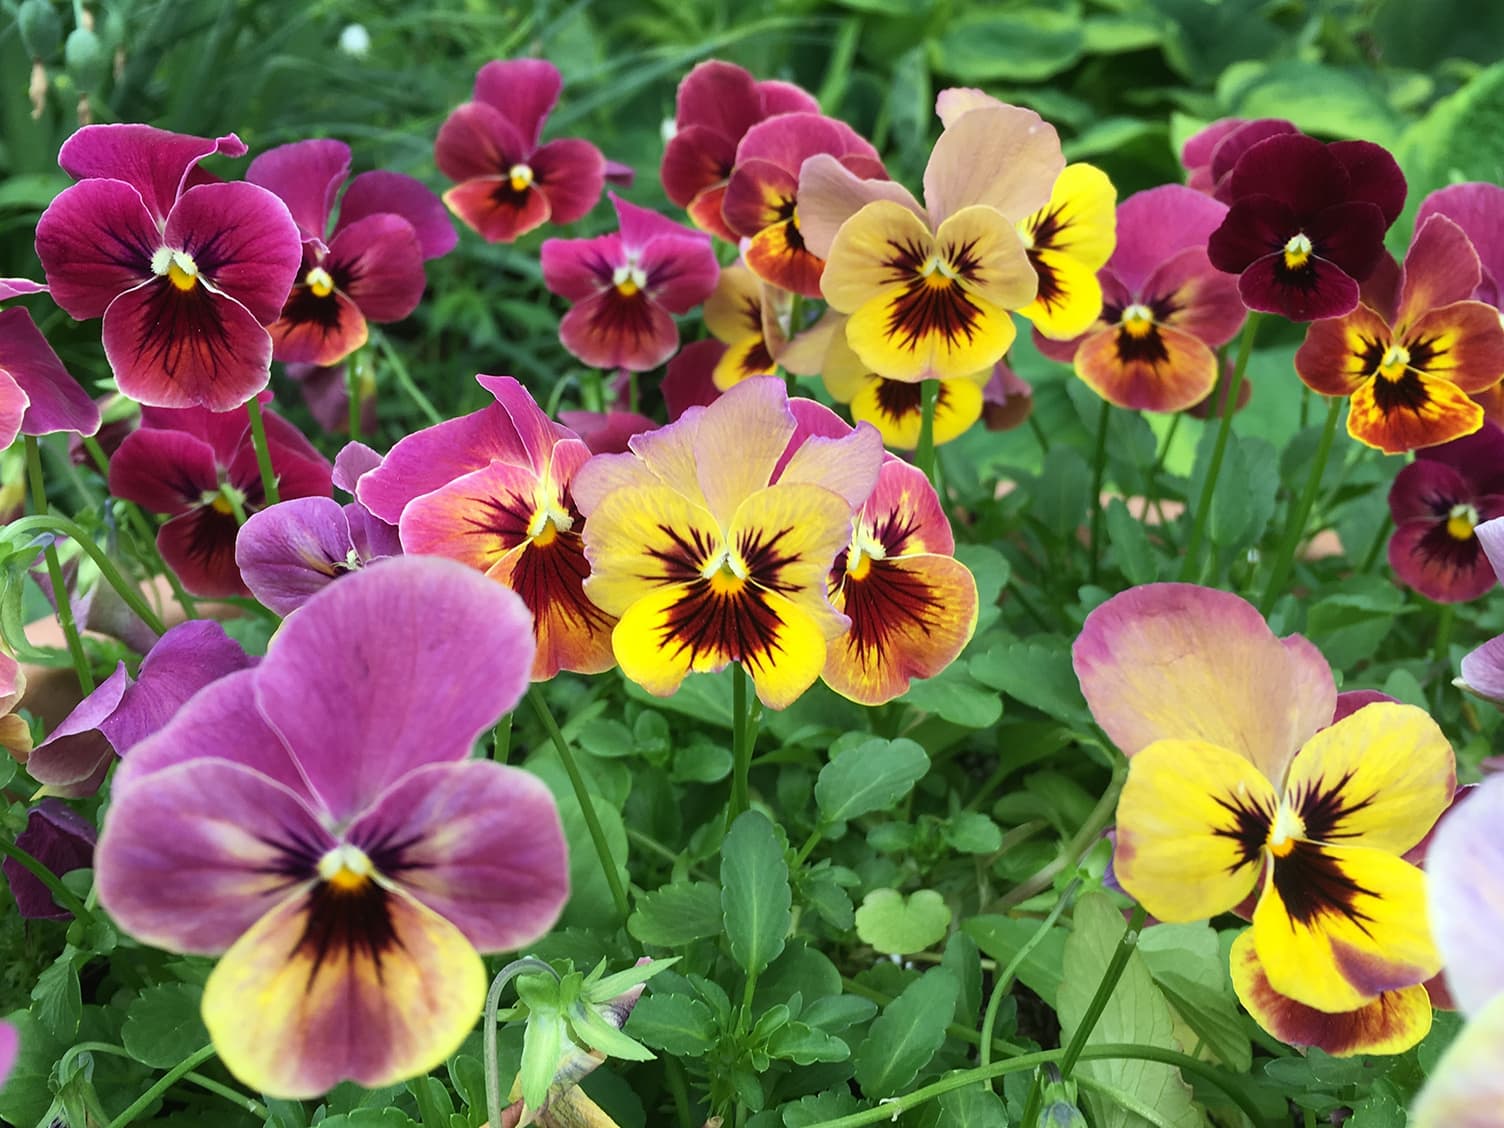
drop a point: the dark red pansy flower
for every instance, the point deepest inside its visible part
(1210, 155)
(1437, 502)
(1306, 222)
(199, 467)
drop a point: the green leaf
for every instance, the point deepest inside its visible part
(873, 776)
(1062, 492)
(906, 1035)
(1244, 498)
(1036, 673)
(755, 893)
(542, 1046)
(27, 1094)
(1187, 963)
(804, 1044)
(1136, 1012)
(955, 697)
(1021, 45)
(1130, 544)
(674, 915)
(972, 832)
(163, 1024)
(1002, 938)
(819, 1108)
(1319, 98)
(897, 926)
(701, 761)
(972, 1107)
(56, 1000)
(676, 1024)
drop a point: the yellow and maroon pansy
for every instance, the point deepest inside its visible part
(1068, 241)
(734, 315)
(912, 605)
(894, 406)
(1411, 371)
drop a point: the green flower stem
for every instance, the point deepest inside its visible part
(52, 522)
(890, 1110)
(1296, 529)
(55, 569)
(924, 454)
(1380, 538)
(488, 1040)
(263, 454)
(501, 739)
(1098, 469)
(405, 380)
(163, 1083)
(582, 795)
(1005, 978)
(352, 392)
(1444, 620)
(1191, 564)
(241, 1100)
(138, 521)
(954, 1030)
(1105, 989)
(60, 892)
(741, 746)
(1081, 842)
(1039, 436)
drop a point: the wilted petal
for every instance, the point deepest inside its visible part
(288, 552)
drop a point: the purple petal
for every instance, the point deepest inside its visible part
(1351, 700)
(1490, 535)
(306, 176)
(525, 90)
(1425, 489)
(96, 241)
(288, 552)
(1155, 225)
(1465, 891)
(477, 141)
(608, 330)
(1228, 148)
(1299, 171)
(243, 240)
(576, 269)
(154, 162)
(572, 174)
(63, 841)
(373, 538)
(378, 262)
(17, 287)
(1373, 176)
(353, 460)
(56, 401)
(73, 760)
(1483, 670)
(378, 191)
(1325, 292)
(400, 665)
(690, 379)
(1426, 557)
(164, 471)
(187, 658)
(10, 1047)
(620, 174)
(485, 849)
(191, 861)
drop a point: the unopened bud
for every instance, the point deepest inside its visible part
(86, 59)
(41, 29)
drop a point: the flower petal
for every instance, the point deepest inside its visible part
(830, 193)
(1483, 670)
(1478, 209)
(306, 176)
(96, 241)
(1157, 369)
(1466, 896)
(525, 90)
(318, 330)
(378, 262)
(1441, 267)
(1318, 290)
(477, 142)
(1416, 410)
(242, 240)
(73, 760)
(1003, 157)
(63, 841)
(159, 165)
(379, 191)
(635, 525)
(493, 210)
(288, 552)
(613, 330)
(54, 400)
(199, 546)
(572, 174)
(368, 986)
(1156, 225)
(1465, 1089)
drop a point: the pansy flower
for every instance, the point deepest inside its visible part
(367, 267)
(1007, 398)
(734, 315)
(1069, 240)
(506, 182)
(1306, 223)
(762, 195)
(895, 407)
(716, 104)
(493, 490)
(1437, 502)
(37, 395)
(1165, 308)
(1210, 155)
(712, 542)
(318, 824)
(290, 551)
(1482, 670)
(62, 840)
(1408, 363)
(928, 289)
(912, 605)
(626, 286)
(15, 733)
(187, 275)
(1478, 209)
(1226, 796)
(197, 466)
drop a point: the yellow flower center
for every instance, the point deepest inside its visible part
(1137, 320)
(629, 279)
(1461, 521)
(346, 868)
(864, 549)
(1396, 360)
(178, 266)
(548, 520)
(521, 177)
(1297, 252)
(319, 281)
(221, 505)
(1288, 826)
(937, 273)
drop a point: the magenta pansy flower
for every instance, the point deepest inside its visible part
(1306, 223)
(121, 712)
(717, 103)
(317, 823)
(290, 551)
(1483, 668)
(367, 266)
(37, 395)
(1479, 210)
(1210, 155)
(1437, 503)
(186, 275)
(606, 432)
(62, 840)
(626, 286)
(1165, 308)
(197, 466)
(507, 183)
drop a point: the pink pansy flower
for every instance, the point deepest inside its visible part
(318, 824)
(187, 463)
(37, 395)
(493, 490)
(508, 184)
(1479, 210)
(187, 275)
(1483, 668)
(1210, 155)
(367, 267)
(716, 105)
(289, 552)
(626, 286)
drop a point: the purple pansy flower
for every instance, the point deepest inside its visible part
(291, 551)
(625, 286)
(1483, 668)
(1437, 503)
(62, 840)
(317, 822)
(371, 266)
(186, 274)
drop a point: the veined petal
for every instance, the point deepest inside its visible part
(734, 309)
(306, 176)
(494, 210)
(1339, 354)
(96, 240)
(1441, 267)
(754, 420)
(380, 192)
(366, 985)
(1320, 289)
(477, 141)
(378, 262)
(743, 360)
(613, 329)
(49, 398)
(1187, 293)
(1149, 367)
(826, 452)
(525, 90)
(1465, 1089)
(777, 254)
(642, 538)
(1466, 896)
(317, 330)
(1378, 778)
(476, 519)
(242, 240)
(1415, 410)
(1004, 157)
(1338, 925)
(157, 164)
(878, 247)
(929, 330)
(1069, 298)
(1192, 822)
(572, 633)
(903, 513)
(287, 552)
(1462, 342)
(910, 617)
(1427, 557)
(894, 408)
(785, 539)
(199, 546)
(1079, 221)
(1391, 1024)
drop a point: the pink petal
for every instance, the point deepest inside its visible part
(572, 174)
(1463, 886)
(489, 207)
(1440, 267)
(524, 90)
(54, 400)
(830, 194)
(696, 159)
(306, 176)
(243, 240)
(537, 433)
(429, 458)
(95, 240)
(199, 546)
(681, 270)
(1483, 670)
(18, 287)
(608, 330)
(577, 268)
(690, 379)
(1426, 557)
(476, 140)
(1479, 210)
(720, 96)
(1197, 298)
(1157, 224)
(290, 551)
(13, 404)
(353, 460)
(318, 331)
(372, 193)
(606, 432)
(1005, 157)
(163, 471)
(378, 262)
(154, 162)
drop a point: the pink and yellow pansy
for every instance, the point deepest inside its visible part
(712, 541)
(1227, 795)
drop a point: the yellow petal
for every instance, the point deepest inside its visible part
(861, 265)
(640, 539)
(1070, 297)
(785, 539)
(734, 309)
(929, 329)
(1080, 221)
